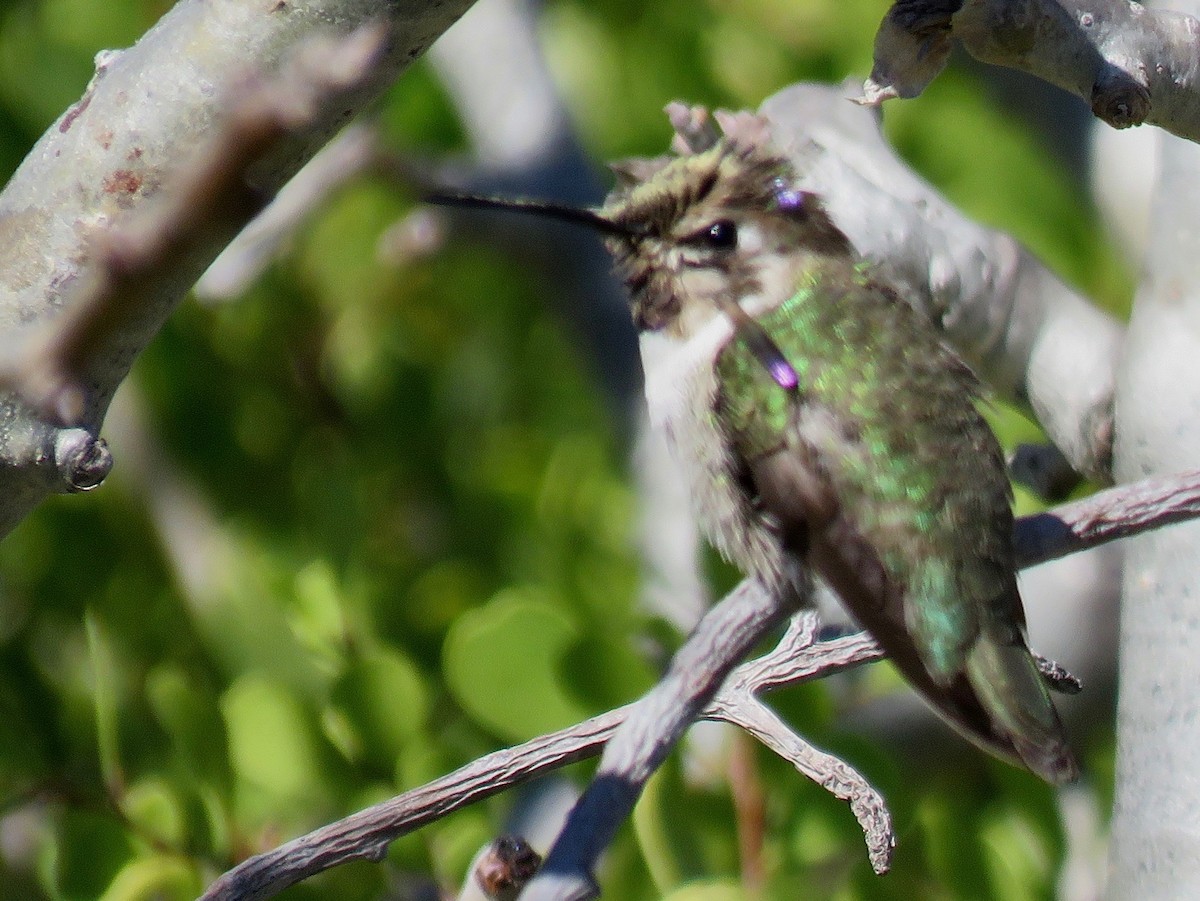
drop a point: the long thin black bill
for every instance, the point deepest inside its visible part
(760, 343)
(580, 216)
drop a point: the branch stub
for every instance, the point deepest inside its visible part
(83, 459)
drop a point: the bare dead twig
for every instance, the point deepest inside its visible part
(654, 724)
(1115, 513)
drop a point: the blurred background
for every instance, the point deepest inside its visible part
(375, 509)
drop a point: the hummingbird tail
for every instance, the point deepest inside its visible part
(1012, 690)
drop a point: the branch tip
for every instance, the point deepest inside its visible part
(1119, 99)
(694, 128)
(504, 867)
(83, 459)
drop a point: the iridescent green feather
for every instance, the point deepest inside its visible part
(905, 462)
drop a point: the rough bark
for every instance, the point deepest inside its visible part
(115, 155)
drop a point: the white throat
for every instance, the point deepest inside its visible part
(676, 369)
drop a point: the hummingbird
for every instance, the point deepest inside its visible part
(824, 427)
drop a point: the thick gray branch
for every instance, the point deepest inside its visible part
(1130, 64)
(108, 157)
(1031, 337)
(1155, 846)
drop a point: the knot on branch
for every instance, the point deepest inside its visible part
(83, 460)
(505, 867)
(1120, 99)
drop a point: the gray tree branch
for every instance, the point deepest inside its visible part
(116, 154)
(1033, 339)
(1130, 64)
(1155, 843)
(366, 834)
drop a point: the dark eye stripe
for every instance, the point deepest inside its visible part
(716, 236)
(637, 281)
(704, 188)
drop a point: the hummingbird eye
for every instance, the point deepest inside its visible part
(721, 235)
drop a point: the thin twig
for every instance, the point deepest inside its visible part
(832, 774)
(656, 722)
(1106, 516)
(365, 835)
(802, 656)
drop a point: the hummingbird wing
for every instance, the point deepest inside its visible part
(879, 467)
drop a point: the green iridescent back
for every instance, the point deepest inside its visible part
(911, 461)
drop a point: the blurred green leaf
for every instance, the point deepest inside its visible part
(715, 890)
(606, 672)
(190, 715)
(666, 842)
(86, 852)
(272, 747)
(503, 665)
(384, 700)
(456, 840)
(104, 690)
(683, 831)
(159, 878)
(317, 617)
(155, 811)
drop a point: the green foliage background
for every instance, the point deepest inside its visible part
(417, 515)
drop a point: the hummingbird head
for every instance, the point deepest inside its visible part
(723, 231)
(724, 227)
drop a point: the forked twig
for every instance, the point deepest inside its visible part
(1105, 516)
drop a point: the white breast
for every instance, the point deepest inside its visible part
(676, 369)
(681, 388)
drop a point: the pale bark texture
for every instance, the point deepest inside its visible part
(1155, 845)
(1130, 64)
(105, 161)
